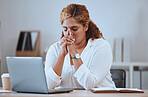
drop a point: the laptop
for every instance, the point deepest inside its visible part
(27, 75)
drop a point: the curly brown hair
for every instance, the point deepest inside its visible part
(81, 14)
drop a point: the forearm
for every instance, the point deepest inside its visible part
(58, 65)
(86, 78)
(76, 62)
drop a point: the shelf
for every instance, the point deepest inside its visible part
(28, 44)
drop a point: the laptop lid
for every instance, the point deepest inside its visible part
(27, 74)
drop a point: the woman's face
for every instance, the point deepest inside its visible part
(72, 28)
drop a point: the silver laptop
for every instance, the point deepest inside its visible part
(27, 75)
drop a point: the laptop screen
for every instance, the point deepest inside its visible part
(27, 74)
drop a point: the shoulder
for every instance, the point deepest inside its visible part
(55, 47)
(98, 42)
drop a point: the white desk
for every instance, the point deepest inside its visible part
(130, 66)
(76, 93)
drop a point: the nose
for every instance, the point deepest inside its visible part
(70, 32)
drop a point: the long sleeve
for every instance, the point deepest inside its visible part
(52, 78)
(91, 73)
(94, 72)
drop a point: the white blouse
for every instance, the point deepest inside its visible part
(94, 72)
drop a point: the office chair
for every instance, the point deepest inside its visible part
(119, 77)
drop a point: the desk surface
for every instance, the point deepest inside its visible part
(76, 93)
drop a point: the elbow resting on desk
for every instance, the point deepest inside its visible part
(88, 81)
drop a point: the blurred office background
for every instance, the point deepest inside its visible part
(127, 19)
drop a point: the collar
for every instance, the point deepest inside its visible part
(92, 43)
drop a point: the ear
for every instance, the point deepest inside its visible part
(86, 27)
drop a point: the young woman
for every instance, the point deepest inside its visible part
(82, 58)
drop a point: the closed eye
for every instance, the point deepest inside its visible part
(64, 29)
(74, 29)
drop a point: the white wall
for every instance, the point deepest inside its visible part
(115, 18)
(0, 50)
(0, 41)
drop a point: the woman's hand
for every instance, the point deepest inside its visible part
(67, 43)
(71, 49)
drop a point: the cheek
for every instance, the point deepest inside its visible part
(77, 35)
(80, 34)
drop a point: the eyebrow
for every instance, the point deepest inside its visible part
(71, 27)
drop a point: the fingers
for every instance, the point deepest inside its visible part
(67, 40)
(69, 37)
(67, 43)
